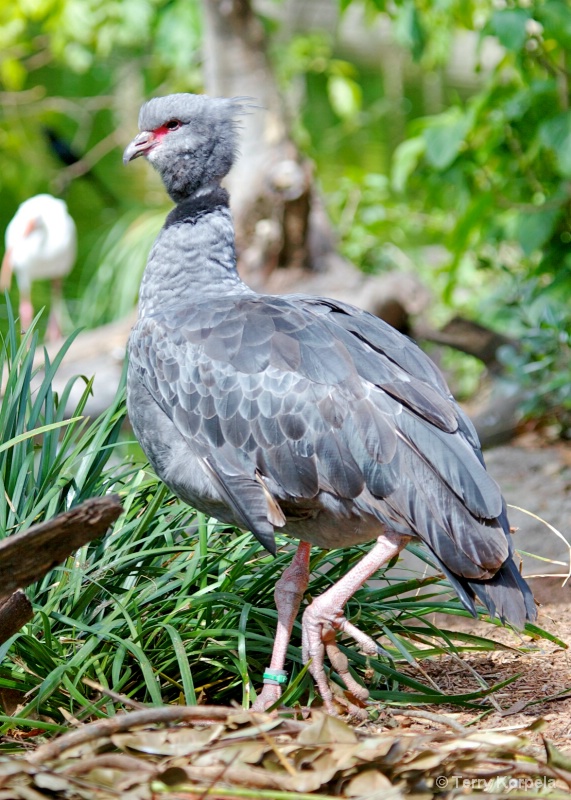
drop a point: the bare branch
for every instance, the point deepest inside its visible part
(14, 613)
(26, 557)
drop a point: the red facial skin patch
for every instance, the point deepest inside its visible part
(172, 125)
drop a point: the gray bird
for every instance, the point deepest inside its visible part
(298, 413)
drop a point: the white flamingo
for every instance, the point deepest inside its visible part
(41, 243)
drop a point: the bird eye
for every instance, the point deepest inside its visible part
(173, 124)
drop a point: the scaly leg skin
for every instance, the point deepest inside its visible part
(324, 617)
(288, 595)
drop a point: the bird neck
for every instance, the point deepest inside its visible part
(30, 247)
(194, 256)
(188, 175)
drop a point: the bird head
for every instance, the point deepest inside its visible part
(190, 139)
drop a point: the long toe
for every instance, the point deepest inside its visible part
(320, 623)
(340, 664)
(367, 645)
(313, 637)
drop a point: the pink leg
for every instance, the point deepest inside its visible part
(288, 595)
(324, 617)
(54, 332)
(26, 312)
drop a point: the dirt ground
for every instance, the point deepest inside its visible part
(535, 475)
(542, 691)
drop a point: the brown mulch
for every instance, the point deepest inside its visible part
(542, 690)
(183, 752)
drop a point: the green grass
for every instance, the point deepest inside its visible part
(107, 284)
(169, 606)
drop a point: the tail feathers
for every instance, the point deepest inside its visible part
(506, 595)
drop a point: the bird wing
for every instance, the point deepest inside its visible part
(287, 398)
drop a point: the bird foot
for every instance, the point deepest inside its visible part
(341, 706)
(269, 695)
(321, 621)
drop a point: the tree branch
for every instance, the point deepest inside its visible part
(26, 557)
(14, 613)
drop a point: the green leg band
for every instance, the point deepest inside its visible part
(277, 677)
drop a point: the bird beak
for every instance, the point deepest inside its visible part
(6, 271)
(30, 227)
(140, 146)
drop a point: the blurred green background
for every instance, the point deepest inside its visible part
(441, 133)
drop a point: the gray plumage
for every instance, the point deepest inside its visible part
(202, 150)
(296, 413)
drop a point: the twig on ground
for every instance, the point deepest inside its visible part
(119, 761)
(439, 718)
(125, 722)
(119, 698)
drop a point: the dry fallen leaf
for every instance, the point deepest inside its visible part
(257, 755)
(165, 742)
(371, 782)
(325, 729)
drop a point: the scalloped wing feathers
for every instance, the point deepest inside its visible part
(297, 397)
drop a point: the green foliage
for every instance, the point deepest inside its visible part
(492, 173)
(82, 68)
(541, 366)
(113, 269)
(39, 481)
(372, 224)
(169, 606)
(312, 54)
(79, 33)
(500, 162)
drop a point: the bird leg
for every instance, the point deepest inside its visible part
(26, 312)
(288, 595)
(6, 270)
(324, 617)
(54, 332)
